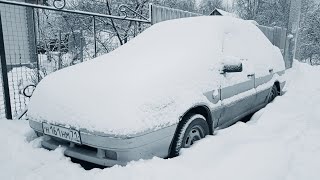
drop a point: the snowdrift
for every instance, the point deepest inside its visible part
(281, 142)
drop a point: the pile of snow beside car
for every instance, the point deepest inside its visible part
(148, 83)
(281, 142)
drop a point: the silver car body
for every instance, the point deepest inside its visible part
(251, 94)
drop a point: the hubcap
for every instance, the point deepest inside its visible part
(196, 133)
(273, 94)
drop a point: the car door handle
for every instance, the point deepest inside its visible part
(270, 70)
(250, 75)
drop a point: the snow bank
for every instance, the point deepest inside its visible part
(152, 80)
(281, 143)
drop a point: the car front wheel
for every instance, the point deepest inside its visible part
(189, 130)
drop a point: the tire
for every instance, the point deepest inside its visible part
(273, 93)
(191, 129)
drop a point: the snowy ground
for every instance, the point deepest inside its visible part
(279, 142)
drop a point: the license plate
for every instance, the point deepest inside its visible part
(62, 133)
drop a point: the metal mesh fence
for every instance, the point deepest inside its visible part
(17, 50)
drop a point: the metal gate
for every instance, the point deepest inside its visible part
(38, 39)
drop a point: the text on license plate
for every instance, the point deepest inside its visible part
(61, 132)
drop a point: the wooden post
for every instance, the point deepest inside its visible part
(293, 27)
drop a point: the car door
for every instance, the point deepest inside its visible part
(237, 94)
(263, 87)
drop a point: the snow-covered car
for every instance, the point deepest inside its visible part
(172, 85)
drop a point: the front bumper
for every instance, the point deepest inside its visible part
(107, 150)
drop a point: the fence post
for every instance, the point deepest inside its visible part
(59, 49)
(81, 45)
(94, 36)
(151, 16)
(5, 83)
(293, 28)
(36, 44)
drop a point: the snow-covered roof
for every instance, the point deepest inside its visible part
(221, 12)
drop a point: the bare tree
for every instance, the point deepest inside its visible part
(247, 9)
(309, 41)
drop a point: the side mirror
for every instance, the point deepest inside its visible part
(231, 68)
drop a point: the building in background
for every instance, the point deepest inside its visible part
(220, 12)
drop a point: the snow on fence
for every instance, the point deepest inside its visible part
(160, 13)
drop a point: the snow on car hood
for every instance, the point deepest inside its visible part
(146, 84)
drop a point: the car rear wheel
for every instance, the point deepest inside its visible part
(189, 130)
(273, 93)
